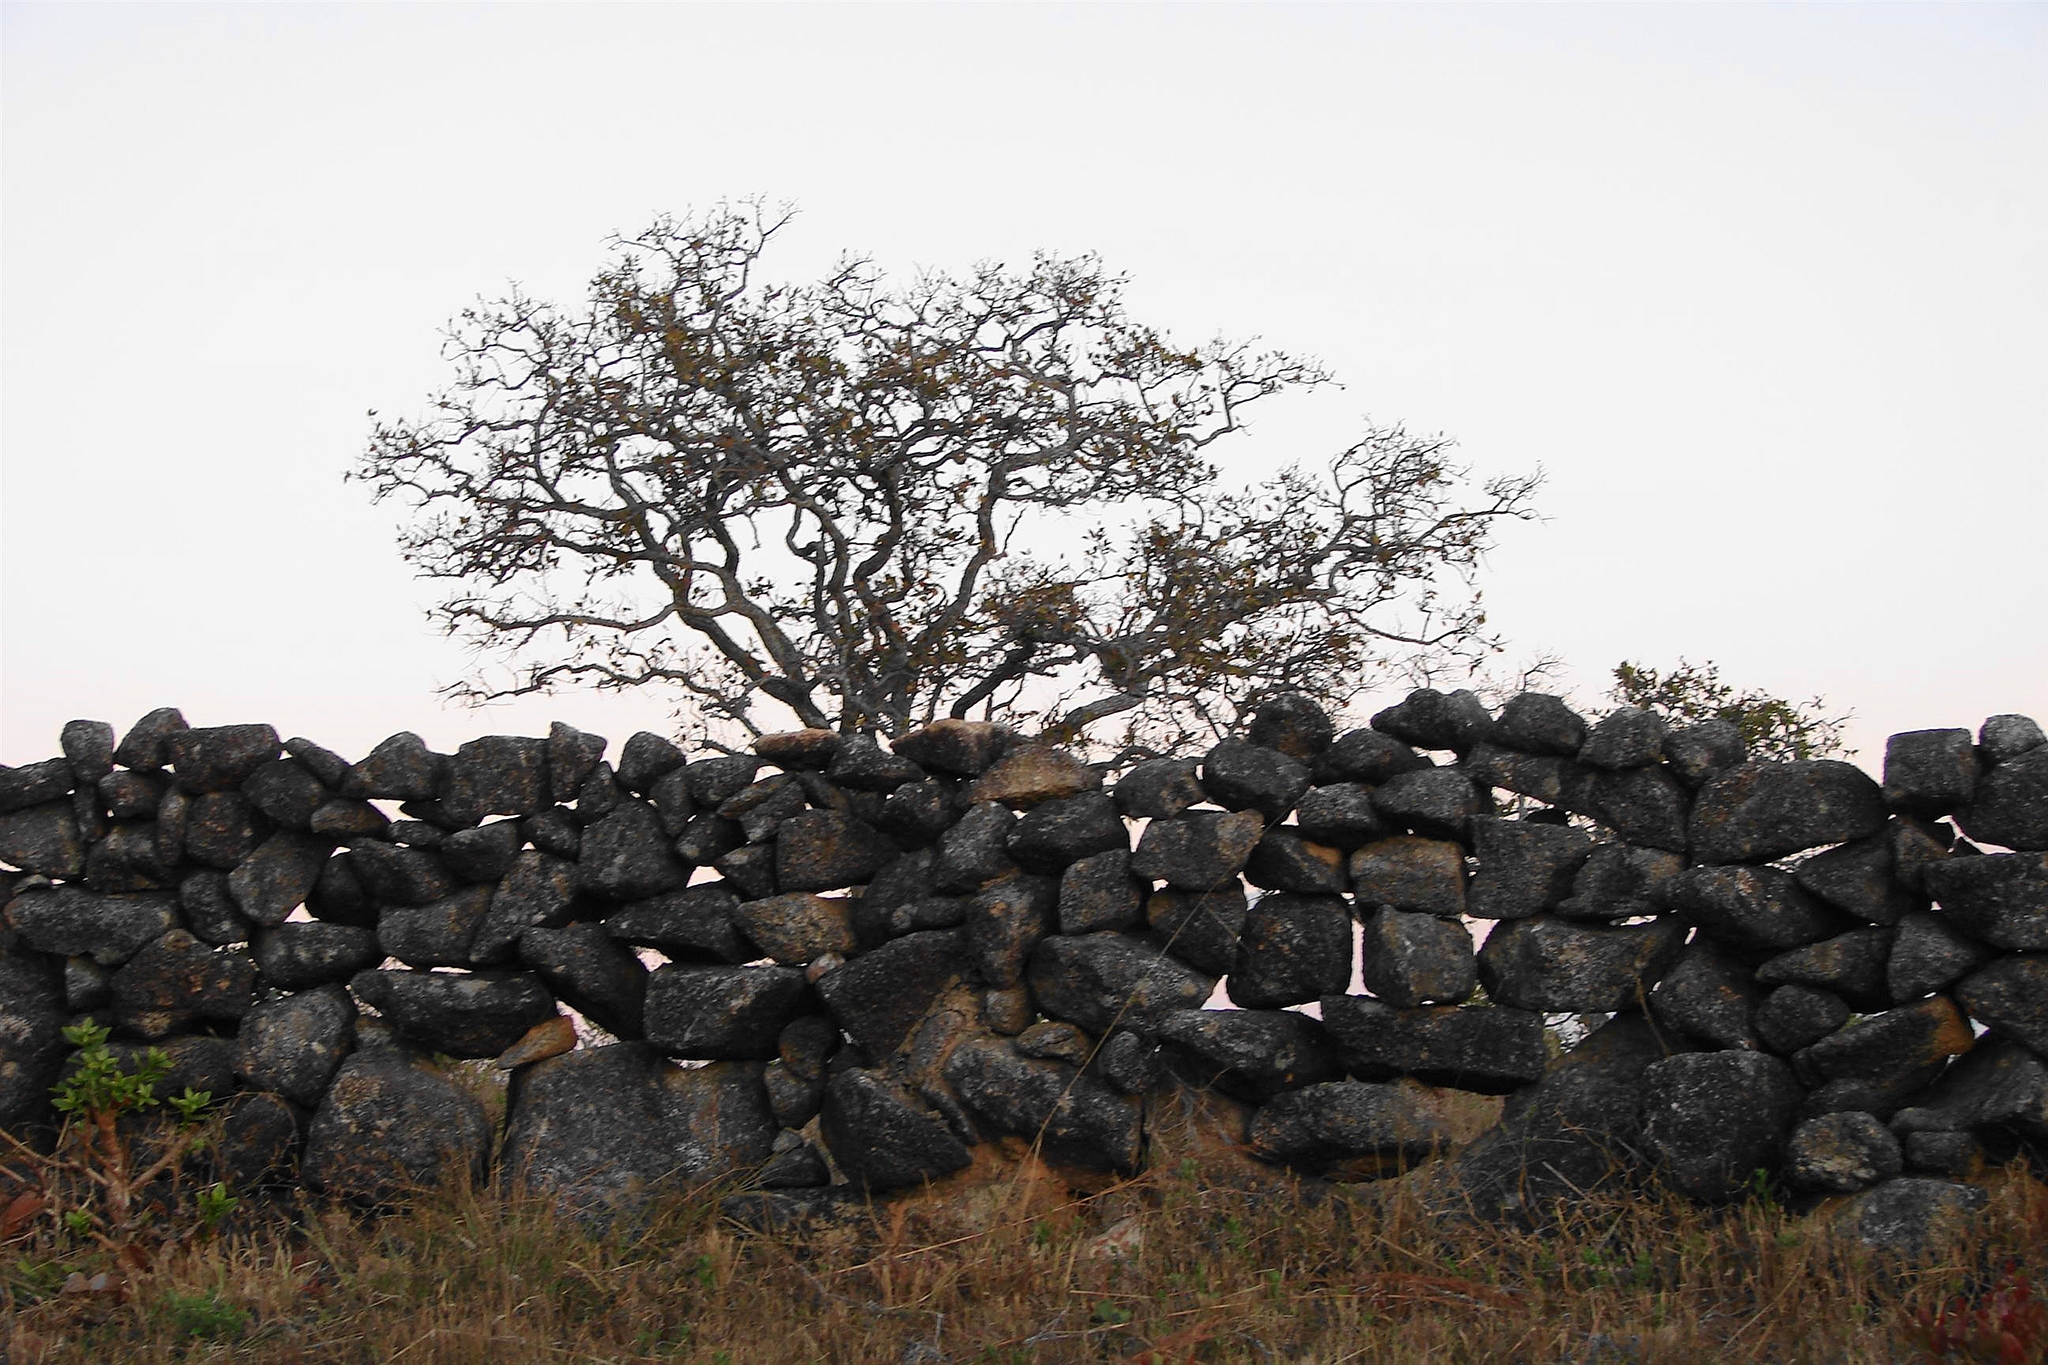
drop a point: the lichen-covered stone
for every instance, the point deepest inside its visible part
(1070, 1118)
(1627, 737)
(1538, 723)
(879, 997)
(1911, 1216)
(1250, 1054)
(1761, 811)
(1366, 757)
(468, 1014)
(1200, 928)
(1645, 806)
(393, 875)
(438, 934)
(1709, 996)
(797, 927)
(1429, 719)
(276, 879)
(1882, 1045)
(1198, 851)
(175, 980)
(1794, 1017)
(591, 973)
(32, 1045)
(1927, 954)
(1059, 832)
(69, 921)
(1929, 772)
(1098, 893)
(1027, 776)
(1340, 815)
(1842, 1152)
(724, 1013)
(2010, 805)
(1408, 872)
(538, 891)
(221, 757)
(1102, 980)
(1291, 950)
(1004, 922)
(1383, 1126)
(1159, 789)
(1852, 965)
(1293, 723)
(1753, 909)
(1711, 1119)
(1862, 878)
(1412, 959)
(1437, 803)
(1489, 1050)
(1240, 776)
(626, 856)
(976, 850)
(1524, 868)
(1618, 881)
(1284, 861)
(43, 839)
(962, 748)
(2000, 899)
(291, 1046)
(1556, 965)
(302, 954)
(388, 1127)
(2010, 994)
(881, 1140)
(691, 925)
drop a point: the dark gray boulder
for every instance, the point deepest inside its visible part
(1409, 959)
(1910, 1217)
(467, 1014)
(1927, 954)
(1711, 1120)
(287, 791)
(1862, 878)
(43, 839)
(1710, 996)
(1098, 893)
(1366, 757)
(1879, 1046)
(69, 921)
(1198, 851)
(276, 879)
(1057, 833)
(1159, 789)
(211, 913)
(1292, 949)
(1751, 909)
(395, 875)
(32, 1044)
(1071, 1118)
(723, 1013)
(1340, 815)
(88, 747)
(220, 829)
(2010, 994)
(146, 743)
(1284, 861)
(1411, 873)
(1429, 719)
(260, 1138)
(1761, 811)
(401, 768)
(592, 973)
(1929, 772)
(1294, 723)
(962, 748)
(1524, 868)
(691, 925)
(1795, 1017)
(2000, 899)
(498, 775)
(881, 1139)
(438, 934)
(389, 1127)
(1842, 1152)
(1851, 965)
(626, 856)
(1489, 1050)
(1240, 776)
(1201, 928)
(292, 1046)
(798, 927)
(219, 758)
(175, 981)
(1647, 807)
(2010, 805)
(606, 1130)
(1004, 922)
(1249, 1054)
(1557, 965)
(879, 997)
(484, 853)
(917, 814)
(1438, 803)
(538, 892)
(1382, 1127)
(862, 764)
(1618, 881)
(1628, 737)
(1998, 1084)
(302, 954)
(1697, 752)
(976, 850)
(1102, 980)
(820, 850)
(1538, 723)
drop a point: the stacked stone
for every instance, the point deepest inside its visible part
(899, 954)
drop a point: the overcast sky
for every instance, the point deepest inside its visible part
(1763, 290)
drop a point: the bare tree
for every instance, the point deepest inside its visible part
(874, 504)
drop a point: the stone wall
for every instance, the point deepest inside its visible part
(868, 961)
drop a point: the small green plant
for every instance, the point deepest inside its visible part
(206, 1317)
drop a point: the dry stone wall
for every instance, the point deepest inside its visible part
(868, 960)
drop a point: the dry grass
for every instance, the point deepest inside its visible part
(1209, 1258)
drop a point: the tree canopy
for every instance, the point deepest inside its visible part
(864, 504)
(1772, 727)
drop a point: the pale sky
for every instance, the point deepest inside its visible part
(1763, 289)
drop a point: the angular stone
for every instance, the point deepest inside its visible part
(35, 784)
(1293, 723)
(1099, 893)
(1851, 965)
(1524, 868)
(1841, 1153)
(145, 744)
(1429, 719)
(1488, 1050)
(209, 912)
(1709, 996)
(1061, 831)
(330, 767)
(1538, 723)
(591, 973)
(1908, 1217)
(916, 814)
(1554, 965)
(1618, 881)
(1070, 1118)
(1753, 909)
(795, 1101)
(388, 1127)
(259, 1143)
(276, 879)
(797, 927)
(1200, 928)
(572, 755)
(32, 1044)
(1859, 878)
(863, 765)
(1250, 1054)
(1101, 980)
(131, 795)
(89, 748)
(1410, 873)
(1761, 811)
(401, 768)
(1284, 861)
(482, 854)
(2011, 996)
(704, 839)
(1198, 851)
(901, 900)
(807, 750)
(287, 791)
(1035, 773)
(1999, 1084)
(2008, 736)
(438, 934)
(538, 891)
(962, 748)
(1240, 776)
(1887, 1044)
(879, 997)
(393, 875)
(1927, 954)
(421, 834)
(762, 807)
(469, 1014)
(1436, 803)
(1340, 815)
(67, 921)
(1051, 1040)
(293, 1045)
(724, 1013)
(1645, 806)
(1005, 920)
(626, 857)
(498, 775)
(1554, 781)
(347, 817)
(1292, 949)
(1383, 1127)
(1794, 1017)
(300, 955)
(880, 1139)
(176, 980)
(976, 850)
(1410, 959)
(87, 985)
(824, 850)
(1712, 1119)
(1697, 752)
(1366, 757)
(711, 782)
(1159, 789)
(219, 758)
(2000, 900)
(548, 1038)
(691, 925)
(43, 839)
(1629, 737)
(1929, 772)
